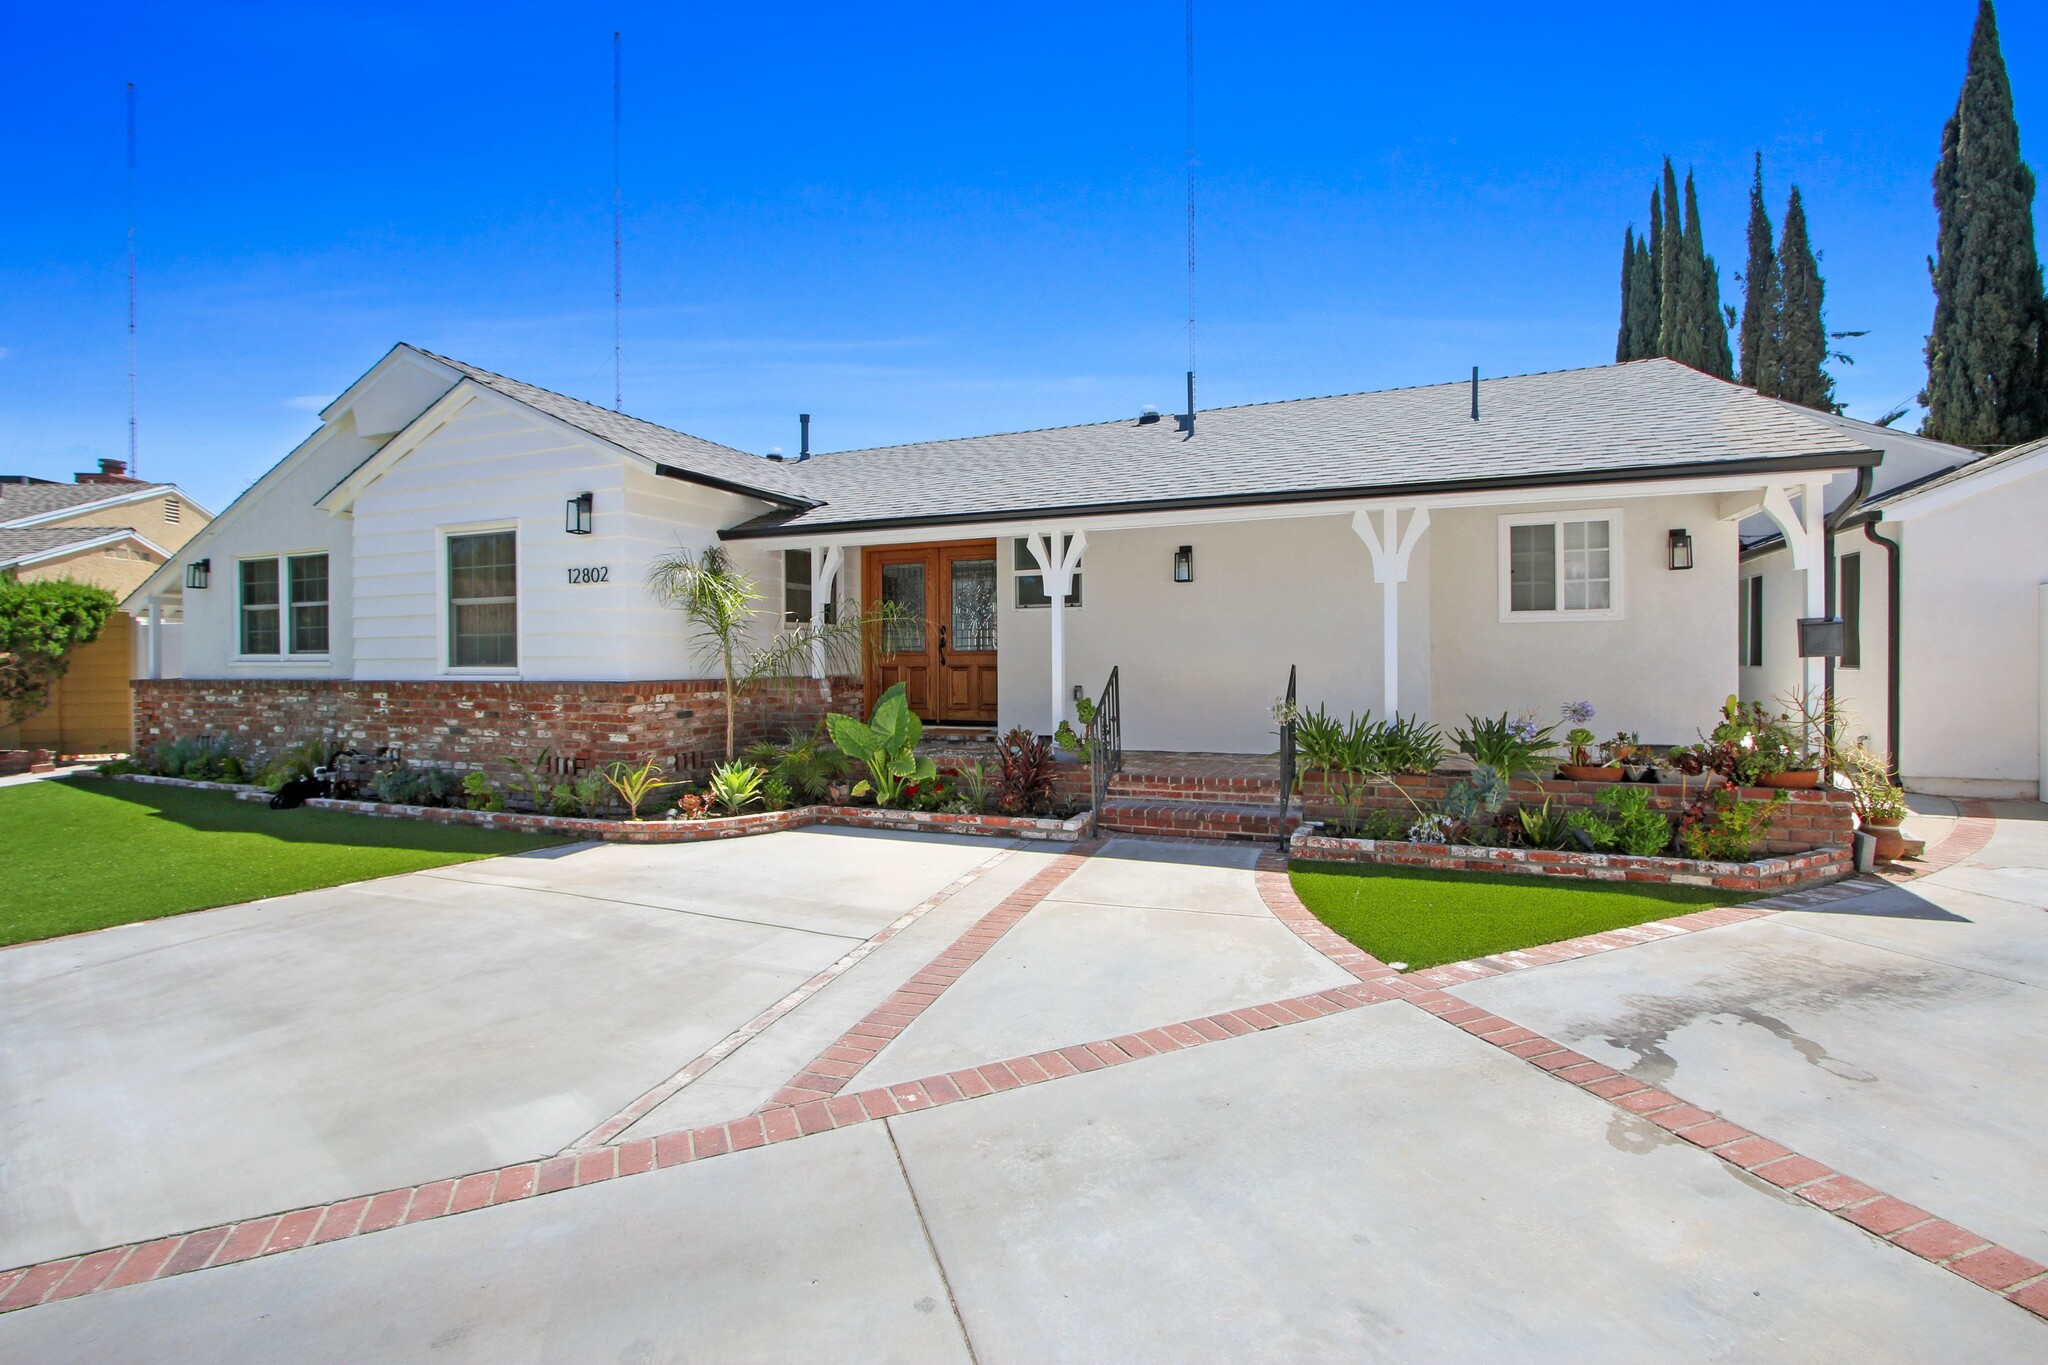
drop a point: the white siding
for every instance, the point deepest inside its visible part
(276, 520)
(497, 464)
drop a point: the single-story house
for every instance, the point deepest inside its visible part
(112, 531)
(1941, 583)
(455, 562)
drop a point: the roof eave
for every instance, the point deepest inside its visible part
(783, 500)
(771, 524)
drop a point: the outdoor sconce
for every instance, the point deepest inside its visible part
(577, 519)
(197, 572)
(1821, 637)
(1184, 564)
(1681, 549)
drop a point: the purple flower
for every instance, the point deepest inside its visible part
(1578, 712)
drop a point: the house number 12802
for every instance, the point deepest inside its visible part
(595, 573)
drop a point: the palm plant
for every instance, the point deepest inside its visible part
(719, 600)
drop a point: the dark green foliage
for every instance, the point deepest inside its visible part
(41, 623)
(1802, 355)
(1684, 319)
(1511, 748)
(1986, 383)
(1762, 298)
(1622, 335)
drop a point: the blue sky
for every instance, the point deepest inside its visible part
(919, 222)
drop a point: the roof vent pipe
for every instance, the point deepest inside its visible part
(803, 451)
(1191, 402)
(1475, 393)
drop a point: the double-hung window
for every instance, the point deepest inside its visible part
(483, 600)
(1031, 582)
(796, 590)
(1561, 566)
(283, 605)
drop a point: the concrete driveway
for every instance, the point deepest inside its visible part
(168, 1075)
(1339, 1175)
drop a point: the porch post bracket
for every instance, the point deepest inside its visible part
(1391, 547)
(826, 562)
(1805, 532)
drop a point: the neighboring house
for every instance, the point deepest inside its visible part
(108, 530)
(415, 571)
(1961, 699)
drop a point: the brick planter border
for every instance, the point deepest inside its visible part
(1782, 872)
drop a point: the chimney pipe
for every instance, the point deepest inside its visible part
(1475, 393)
(1191, 402)
(803, 421)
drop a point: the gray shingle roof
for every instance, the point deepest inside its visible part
(1641, 419)
(714, 463)
(19, 500)
(17, 541)
(1980, 465)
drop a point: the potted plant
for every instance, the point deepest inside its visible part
(1880, 805)
(1579, 764)
(1783, 759)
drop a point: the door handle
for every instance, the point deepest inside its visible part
(942, 646)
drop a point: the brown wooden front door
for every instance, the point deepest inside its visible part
(942, 643)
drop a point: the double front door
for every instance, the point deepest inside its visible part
(939, 636)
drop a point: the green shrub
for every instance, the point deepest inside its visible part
(1726, 828)
(477, 793)
(41, 622)
(1638, 830)
(887, 745)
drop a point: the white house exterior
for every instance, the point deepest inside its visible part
(1406, 554)
(1961, 701)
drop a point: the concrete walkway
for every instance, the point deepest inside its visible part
(1345, 1177)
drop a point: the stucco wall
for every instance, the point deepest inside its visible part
(1971, 642)
(1662, 670)
(120, 569)
(1202, 663)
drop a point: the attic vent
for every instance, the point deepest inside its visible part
(1149, 415)
(172, 510)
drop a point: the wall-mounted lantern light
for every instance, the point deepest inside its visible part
(1681, 549)
(576, 521)
(197, 573)
(1184, 564)
(1821, 637)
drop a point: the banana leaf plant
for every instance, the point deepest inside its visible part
(886, 745)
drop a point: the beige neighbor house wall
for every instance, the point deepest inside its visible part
(1662, 670)
(1202, 663)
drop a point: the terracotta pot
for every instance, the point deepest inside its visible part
(1891, 843)
(1573, 772)
(1799, 780)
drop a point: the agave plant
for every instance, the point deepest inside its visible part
(635, 785)
(735, 786)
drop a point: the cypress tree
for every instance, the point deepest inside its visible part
(1656, 260)
(1803, 344)
(1760, 294)
(1987, 376)
(1706, 330)
(1642, 301)
(1673, 284)
(1623, 339)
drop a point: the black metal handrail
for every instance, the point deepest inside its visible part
(1287, 721)
(1106, 741)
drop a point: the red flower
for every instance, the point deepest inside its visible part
(910, 789)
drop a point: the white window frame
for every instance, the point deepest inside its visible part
(790, 622)
(1616, 560)
(1018, 575)
(285, 656)
(444, 603)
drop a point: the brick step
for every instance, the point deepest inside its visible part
(1226, 791)
(1195, 819)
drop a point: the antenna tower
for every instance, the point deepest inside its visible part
(618, 259)
(133, 465)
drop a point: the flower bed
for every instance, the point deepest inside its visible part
(1777, 873)
(679, 831)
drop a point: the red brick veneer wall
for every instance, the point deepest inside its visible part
(464, 725)
(1807, 820)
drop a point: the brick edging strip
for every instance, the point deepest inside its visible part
(1974, 827)
(646, 1104)
(847, 1055)
(1974, 1257)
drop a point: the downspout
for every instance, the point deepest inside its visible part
(1894, 578)
(1833, 523)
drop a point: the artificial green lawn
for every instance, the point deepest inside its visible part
(85, 853)
(1425, 918)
